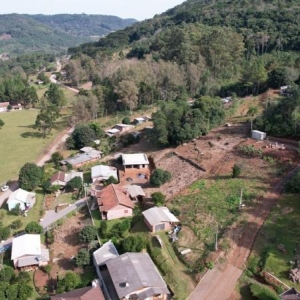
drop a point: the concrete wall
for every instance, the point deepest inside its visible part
(119, 212)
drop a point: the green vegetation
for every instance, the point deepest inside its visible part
(83, 258)
(88, 234)
(293, 185)
(1, 123)
(75, 184)
(236, 171)
(158, 198)
(30, 176)
(159, 177)
(262, 292)
(34, 227)
(68, 283)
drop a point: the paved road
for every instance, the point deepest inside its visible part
(51, 216)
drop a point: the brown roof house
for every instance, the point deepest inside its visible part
(61, 178)
(3, 106)
(93, 292)
(159, 218)
(134, 276)
(114, 202)
(27, 252)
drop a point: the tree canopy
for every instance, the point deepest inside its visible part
(30, 176)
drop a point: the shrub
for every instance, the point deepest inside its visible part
(133, 244)
(68, 283)
(82, 258)
(158, 198)
(236, 171)
(50, 237)
(75, 183)
(293, 185)
(4, 233)
(262, 292)
(56, 157)
(126, 120)
(16, 224)
(16, 211)
(103, 229)
(159, 177)
(34, 227)
(88, 234)
(111, 180)
(23, 277)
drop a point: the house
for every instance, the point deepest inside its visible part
(284, 90)
(25, 199)
(134, 276)
(27, 252)
(112, 132)
(102, 173)
(104, 253)
(135, 192)
(3, 106)
(291, 294)
(114, 202)
(139, 120)
(258, 135)
(159, 219)
(16, 107)
(61, 178)
(123, 127)
(81, 159)
(138, 160)
(85, 293)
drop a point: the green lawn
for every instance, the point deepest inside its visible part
(20, 143)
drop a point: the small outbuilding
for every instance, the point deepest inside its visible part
(139, 120)
(258, 135)
(159, 219)
(123, 127)
(102, 173)
(112, 132)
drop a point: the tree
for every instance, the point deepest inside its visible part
(83, 258)
(236, 171)
(128, 93)
(7, 274)
(12, 292)
(34, 227)
(56, 157)
(23, 277)
(88, 234)
(16, 211)
(75, 183)
(30, 176)
(25, 291)
(4, 233)
(68, 283)
(83, 135)
(45, 120)
(55, 95)
(158, 198)
(103, 229)
(126, 120)
(133, 244)
(111, 180)
(1, 123)
(159, 177)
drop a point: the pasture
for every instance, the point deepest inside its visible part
(20, 142)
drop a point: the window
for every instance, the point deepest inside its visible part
(125, 211)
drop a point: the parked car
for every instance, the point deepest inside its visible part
(4, 188)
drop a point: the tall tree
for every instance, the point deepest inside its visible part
(55, 95)
(45, 120)
(128, 93)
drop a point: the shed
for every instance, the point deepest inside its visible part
(139, 120)
(112, 132)
(258, 135)
(106, 252)
(135, 192)
(102, 173)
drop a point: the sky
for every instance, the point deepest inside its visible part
(137, 9)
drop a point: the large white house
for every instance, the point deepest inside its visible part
(138, 160)
(25, 199)
(27, 251)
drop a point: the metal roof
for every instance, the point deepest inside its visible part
(105, 253)
(160, 214)
(135, 191)
(104, 171)
(133, 272)
(27, 244)
(21, 196)
(135, 159)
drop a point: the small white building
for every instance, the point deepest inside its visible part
(25, 199)
(102, 173)
(3, 106)
(138, 160)
(112, 132)
(123, 127)
(258, 135)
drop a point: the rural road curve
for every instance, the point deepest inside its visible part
(218, 284)
(51, 216)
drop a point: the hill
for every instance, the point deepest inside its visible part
(21, 34)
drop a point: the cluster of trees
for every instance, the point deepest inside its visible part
(14, 287)
(158, 178)
(178, 122)
(30, 176)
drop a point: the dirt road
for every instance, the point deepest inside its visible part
(221, 281)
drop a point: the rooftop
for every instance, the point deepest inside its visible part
(21, 196)
(4, 104)
(113, 195)
(27, 244)
(160, 214)
(105, 253)
(135, 191)
(135, 159)
(133, 272)
(103, 171)
(291, 294)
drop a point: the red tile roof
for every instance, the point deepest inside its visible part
(58, 176)
(86, 293)
(113, 195)
(4, 104)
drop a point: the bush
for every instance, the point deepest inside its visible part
(262, 292)
(68, 283)
(159, 177)
(83, 258)
(88, 234)
(293, 186)
(158, 198)
(236, 171)
(103, 229)
(16, 211)
(126, 120)
(133, 244)
(75, 183)
(16, 224)
(4, 233)
(34, 227)
(49, 237)
(111, 180)
(56, 157)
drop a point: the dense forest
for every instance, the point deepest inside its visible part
(21, 34)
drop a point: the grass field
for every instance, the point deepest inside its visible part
(20, 143)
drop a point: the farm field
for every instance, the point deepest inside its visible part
(20, 143)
